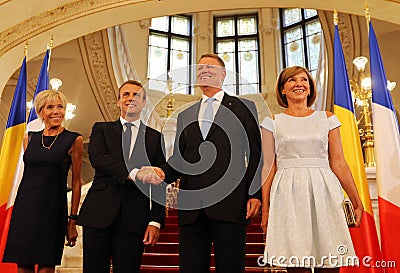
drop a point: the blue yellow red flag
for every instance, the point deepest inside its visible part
(12, 141)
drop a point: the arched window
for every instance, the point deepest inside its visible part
(301, 38)
(237, 43)
(170, 50)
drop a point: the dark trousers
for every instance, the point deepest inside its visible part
(195, 242)
(116, 244)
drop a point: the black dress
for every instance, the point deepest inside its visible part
(39, 219)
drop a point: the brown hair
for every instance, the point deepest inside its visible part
(285, 75)
(214, 56)
(133, 82)
(45, 96)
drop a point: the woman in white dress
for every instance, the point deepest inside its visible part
(303, 180)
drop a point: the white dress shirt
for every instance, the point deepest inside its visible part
(215, 104)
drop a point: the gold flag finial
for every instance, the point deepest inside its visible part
(367, 14)
(51, 42)
(335, 17)
(26, 48)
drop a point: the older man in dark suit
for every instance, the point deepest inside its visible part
(217, 154)
(117, 215)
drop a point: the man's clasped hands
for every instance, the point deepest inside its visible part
(150, 175)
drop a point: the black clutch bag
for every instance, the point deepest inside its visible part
(349, 213)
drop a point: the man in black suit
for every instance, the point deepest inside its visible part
(117, 215)
(220, 170)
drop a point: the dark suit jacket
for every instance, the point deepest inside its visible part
(111, 192)
(223, 172)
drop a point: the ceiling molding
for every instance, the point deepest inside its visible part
(49, 19)
(394, 1)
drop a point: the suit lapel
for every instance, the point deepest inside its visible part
(116, 129)
(193, 118)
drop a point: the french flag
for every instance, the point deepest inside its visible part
(387, 156)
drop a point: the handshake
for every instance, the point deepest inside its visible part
(150, 175)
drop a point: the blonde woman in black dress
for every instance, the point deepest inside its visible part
(40, 218)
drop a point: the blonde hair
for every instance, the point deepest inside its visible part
(45, 96)
(285, 75)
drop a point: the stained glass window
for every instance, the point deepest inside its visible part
(236, 42)
(301, 38)
(170, 40)
(291, 16)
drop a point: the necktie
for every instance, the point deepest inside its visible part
(126, 140)
(207, 117)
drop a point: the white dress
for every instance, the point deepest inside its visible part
(306, 224)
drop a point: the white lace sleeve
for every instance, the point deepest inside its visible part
(333, 122)
(268, 124)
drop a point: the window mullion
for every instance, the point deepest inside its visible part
(169, 34)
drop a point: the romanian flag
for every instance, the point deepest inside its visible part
(12, 141)
(387, 157)
(365, 238)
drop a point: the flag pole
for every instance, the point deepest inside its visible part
(367, 16)
(49, 47)
(335, 17)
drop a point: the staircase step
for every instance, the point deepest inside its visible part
(173, 247)
(173, 237)
(71, 261)
(170, 228)
(172, 212)
(173, 219)
(68, 270)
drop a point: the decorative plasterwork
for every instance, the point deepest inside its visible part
(347, 38)
(145, 24)
(97, 61)
(202, 36)
(46, 20)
